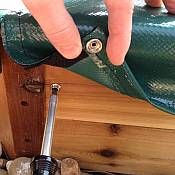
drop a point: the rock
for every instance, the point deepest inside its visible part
(3, 172)
(20, 166)
(69, 167)
(57, 173)
(8, 164)
(3, 163)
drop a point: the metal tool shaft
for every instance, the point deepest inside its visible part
(50, 121)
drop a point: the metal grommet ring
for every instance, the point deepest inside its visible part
(55, 86)
(94, 46)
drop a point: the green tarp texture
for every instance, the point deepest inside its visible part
(148, 72)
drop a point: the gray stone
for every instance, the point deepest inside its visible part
(20, 166)
(3, 172)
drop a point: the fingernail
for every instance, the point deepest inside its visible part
(115, 57)
(116, 62)
(116, 51)
(71, 52)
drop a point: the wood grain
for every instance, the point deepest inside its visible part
(6, 136)
(26, 109)
(116, 148)
(85, 100)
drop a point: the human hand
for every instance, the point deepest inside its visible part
(60, 29)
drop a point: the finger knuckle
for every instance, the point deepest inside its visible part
(62, 37)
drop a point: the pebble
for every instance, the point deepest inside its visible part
(3, 172)
(19, 166)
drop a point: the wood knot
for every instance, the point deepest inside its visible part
(109, 153)
(115, 129)
(113, 164)
(27, 140)
(24, 103)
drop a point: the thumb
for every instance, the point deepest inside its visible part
(57, 25)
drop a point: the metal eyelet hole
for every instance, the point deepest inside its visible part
(94, 46)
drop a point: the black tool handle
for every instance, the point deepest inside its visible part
(44, 165)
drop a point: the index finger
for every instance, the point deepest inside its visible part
(57, 24)
(120, 27)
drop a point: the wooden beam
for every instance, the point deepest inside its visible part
(6, 136)
(85, 100)
(26, 107)
(116, 148)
